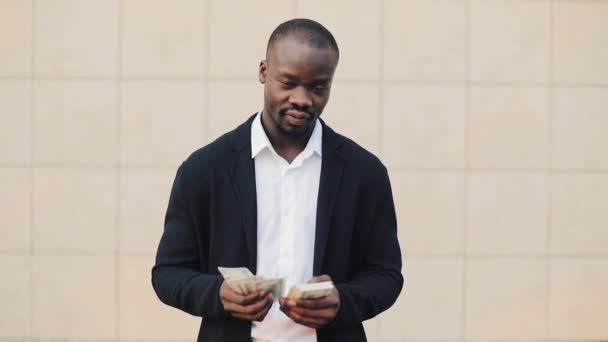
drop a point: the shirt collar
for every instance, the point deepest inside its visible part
(260, 141)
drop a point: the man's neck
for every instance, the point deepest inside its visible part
(286, 146)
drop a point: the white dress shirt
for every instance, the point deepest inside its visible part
(287, 210)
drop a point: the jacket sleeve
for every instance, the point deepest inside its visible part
(179, 277)
(377, 284)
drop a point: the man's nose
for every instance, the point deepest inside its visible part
(300, 97)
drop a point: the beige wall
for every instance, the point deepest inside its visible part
(490, 114)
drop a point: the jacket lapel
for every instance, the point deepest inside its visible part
(243, 176)
(329, 184)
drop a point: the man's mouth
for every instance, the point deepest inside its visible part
(296, 118)
(298, 115)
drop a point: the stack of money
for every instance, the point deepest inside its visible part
(310, 290)
(242, 281)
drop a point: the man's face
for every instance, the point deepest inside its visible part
(297, 81)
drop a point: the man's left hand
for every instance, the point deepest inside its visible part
(313, 313)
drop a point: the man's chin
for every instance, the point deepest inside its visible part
(294, 131)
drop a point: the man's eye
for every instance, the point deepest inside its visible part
(287, 83)
(319, 89)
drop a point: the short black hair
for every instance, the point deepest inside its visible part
(308, 31)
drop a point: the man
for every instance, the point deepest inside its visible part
(286, 196)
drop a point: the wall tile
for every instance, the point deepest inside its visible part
(15, 209)
(430, 305)
(359, 40)
(151, 47)
(231, 103)
(15, 296)
(353, 111)
(75, 122)
(76, 38)
(506, 299)
(424, 40)
(509, 41)
(430, 211)
(579, 214)
(137, 300)
(162, 123)
(143, 204)
(236, 50)
(578, 299)
(74, 209)
(423, 126)
(579, 128)
(16, 47)
(74, 297)
(509, 127)
(580, 41)
(15, 124)
(507, 213)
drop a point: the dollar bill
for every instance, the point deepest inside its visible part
(310, 290)
(235, 272)
(275, 286)
(242, 286)
(242, 281)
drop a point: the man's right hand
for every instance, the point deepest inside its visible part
(251, 307)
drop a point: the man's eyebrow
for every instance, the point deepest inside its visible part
(287, 74)
(321, 80)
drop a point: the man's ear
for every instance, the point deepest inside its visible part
(263, 71)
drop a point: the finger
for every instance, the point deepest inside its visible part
(287, 304)
(322, 314)
(260, 316)
(312, 318)
(252, 308)
(318, 303)
(321, 278)
(284, 301)
(254, 316)
(227, 293)
(234, 297)
(307, 321)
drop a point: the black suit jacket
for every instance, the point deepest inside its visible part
(211, 221)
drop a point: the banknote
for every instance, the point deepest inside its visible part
(235, 272)
(242, 281)
(310, 290)
(275, 286)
